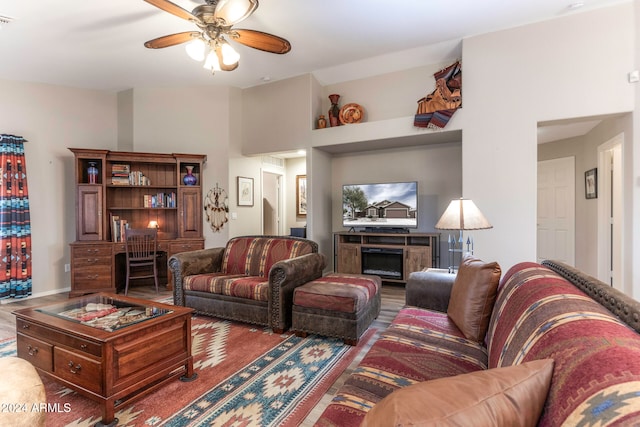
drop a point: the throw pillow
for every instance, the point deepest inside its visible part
(473, 295)
(510, 396)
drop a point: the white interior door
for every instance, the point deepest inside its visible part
(271, 204)
(556, 210)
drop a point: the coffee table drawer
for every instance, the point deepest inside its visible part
(38, 353)
(58, 338)
(77, 369)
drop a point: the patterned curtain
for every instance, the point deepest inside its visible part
(15, 224)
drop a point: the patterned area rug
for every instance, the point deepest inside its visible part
(246, 376)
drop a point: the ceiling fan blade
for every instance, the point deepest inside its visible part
(172, 39)
(262, 41)
(234, 11)
(174, 9)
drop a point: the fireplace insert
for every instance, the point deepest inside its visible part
(383, 262)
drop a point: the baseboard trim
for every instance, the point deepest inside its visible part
(36, 295)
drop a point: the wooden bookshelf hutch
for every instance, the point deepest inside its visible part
(102, 200)
(392, 256)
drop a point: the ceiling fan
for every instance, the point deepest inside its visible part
(215, 20)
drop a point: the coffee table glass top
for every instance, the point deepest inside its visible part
(103, 312)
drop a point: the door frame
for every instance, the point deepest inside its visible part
(610, 259)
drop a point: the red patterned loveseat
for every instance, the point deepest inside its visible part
(250, 280)
(582, 331)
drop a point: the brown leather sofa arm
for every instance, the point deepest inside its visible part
(193, 262)
(284, 277)
(429, 289)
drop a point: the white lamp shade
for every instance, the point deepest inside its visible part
(462, 214)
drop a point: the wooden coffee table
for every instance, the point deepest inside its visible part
(114, 358)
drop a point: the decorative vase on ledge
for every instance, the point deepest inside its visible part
(92, 173)
(189, 178)
(334, 111)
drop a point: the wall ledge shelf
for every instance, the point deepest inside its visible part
(381, 134)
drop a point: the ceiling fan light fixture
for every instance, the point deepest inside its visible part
(215, 20)
(212, 63)
(229, 54)
(196, 49)
(234, 11)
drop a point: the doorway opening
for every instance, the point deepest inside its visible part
(271, 204)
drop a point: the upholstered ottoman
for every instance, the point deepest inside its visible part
(21, 394)
(336, 305)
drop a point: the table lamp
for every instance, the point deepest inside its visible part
(461, 214)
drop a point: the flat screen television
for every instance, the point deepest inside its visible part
(389, 205)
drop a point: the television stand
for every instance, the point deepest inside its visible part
(393, 256)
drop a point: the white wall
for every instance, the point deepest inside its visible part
(515, 78)
(245, 220)
(277, 116)
(632, 270)
(53, 118)
(319, 201)
(189, 120)
(386, 96)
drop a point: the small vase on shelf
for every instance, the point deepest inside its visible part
(334, 111)
(322, 122)
(92, 173)
(189, 178)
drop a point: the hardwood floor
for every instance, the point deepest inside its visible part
(393, 297)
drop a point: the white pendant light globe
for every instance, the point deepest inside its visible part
(196, 49)
(229, 55)
(212, 63)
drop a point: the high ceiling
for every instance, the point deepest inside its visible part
(98, 44)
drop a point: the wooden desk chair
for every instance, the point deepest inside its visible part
(141, 245)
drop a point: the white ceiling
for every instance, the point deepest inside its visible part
(99, 43)
(567, 129)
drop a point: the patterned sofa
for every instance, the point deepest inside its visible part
(250, 280)
(583, 331)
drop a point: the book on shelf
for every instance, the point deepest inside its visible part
(120, 180)
(138, 178)
(118, 226)
(130, 178)
(120, 168)
(159, 200)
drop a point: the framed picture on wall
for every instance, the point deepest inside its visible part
(591, 183)
(245, 191)
(301, 195)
